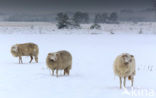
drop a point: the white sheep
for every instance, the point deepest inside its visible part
(26, 49)
(124, 66)
(61, 60)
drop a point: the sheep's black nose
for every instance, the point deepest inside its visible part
(52, 60)
(126, 63)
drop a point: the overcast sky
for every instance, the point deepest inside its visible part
(37, 6)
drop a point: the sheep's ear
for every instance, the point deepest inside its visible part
(49, 53)
(60, 53)
(132, 56)
(123, 55)
(57, 54)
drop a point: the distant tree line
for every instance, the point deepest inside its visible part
(74, 21)
(64, 21)
(106, 18)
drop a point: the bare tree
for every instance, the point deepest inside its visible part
(63, 20)
(113, 17)
(81, 17)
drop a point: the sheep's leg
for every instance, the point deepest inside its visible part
(31, 58)
(64, 72)
(56, 72)
(120, 82)
(52, 72)
(68, 72)
(36, 59)
(124, 81)
(132, 80)
(20, 59)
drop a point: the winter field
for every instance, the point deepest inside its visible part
(93, 56)
(50, 28)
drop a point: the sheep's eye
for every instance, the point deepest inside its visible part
(130, 60)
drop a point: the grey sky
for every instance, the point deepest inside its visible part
(60, 5)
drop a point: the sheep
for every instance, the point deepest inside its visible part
(25, 49)
(61, 60)
(124, 66)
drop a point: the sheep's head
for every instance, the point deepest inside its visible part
(127, 58)
(14, 50)
(53, 56)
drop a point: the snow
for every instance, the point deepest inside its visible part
(50, 28)
(92, 70)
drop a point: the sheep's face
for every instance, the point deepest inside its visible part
(52, 56)
(127, 58)
(14, 48)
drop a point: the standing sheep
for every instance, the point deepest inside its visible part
(26, 49)
(124, 66)
(61, 60)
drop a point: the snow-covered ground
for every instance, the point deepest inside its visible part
(50, 28)
(92, 72)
